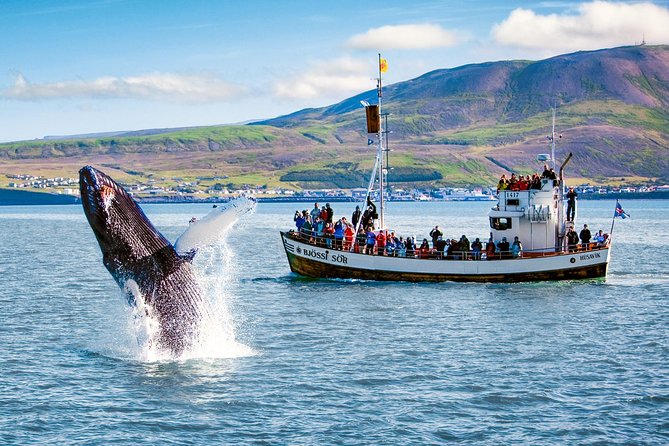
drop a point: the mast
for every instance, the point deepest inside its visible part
(553, 140)
(380, 153)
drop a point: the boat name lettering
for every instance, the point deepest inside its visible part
(315, 254)
(594, 255)
(512, 195)
(340, 258)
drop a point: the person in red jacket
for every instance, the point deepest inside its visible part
(349, 232)
(381, 242)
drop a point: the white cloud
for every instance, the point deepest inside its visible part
(327, 78)
(415, 36)
(155, 86)
(595, 25)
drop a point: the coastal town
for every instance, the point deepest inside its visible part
(213, 189)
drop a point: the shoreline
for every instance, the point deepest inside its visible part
(10, 197)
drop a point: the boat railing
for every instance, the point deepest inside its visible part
(355, 246)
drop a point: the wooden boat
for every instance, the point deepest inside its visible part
(536, 216)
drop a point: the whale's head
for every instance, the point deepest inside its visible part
(119, 224)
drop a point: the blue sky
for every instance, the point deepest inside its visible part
(78, 66)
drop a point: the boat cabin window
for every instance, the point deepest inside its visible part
(512, 202)
(500, 223)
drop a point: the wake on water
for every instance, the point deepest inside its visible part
(214, 269)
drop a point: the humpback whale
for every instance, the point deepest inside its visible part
(143, 262)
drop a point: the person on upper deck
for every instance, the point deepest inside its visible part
(513, 182)
(355, 218)
(523, 182)
(435, 234)
(535, 183)
(503, 184)
(546, 173)
(571, 203)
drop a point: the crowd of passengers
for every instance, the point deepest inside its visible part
(527, 182)
(319, 228)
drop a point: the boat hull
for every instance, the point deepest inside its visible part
(313, 261)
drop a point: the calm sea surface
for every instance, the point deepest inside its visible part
(299, 361)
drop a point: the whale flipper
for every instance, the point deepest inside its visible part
(208, 230)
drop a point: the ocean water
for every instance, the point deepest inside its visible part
(309, 362)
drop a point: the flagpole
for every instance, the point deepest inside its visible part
(614, 219)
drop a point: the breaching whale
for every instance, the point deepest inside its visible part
(144, 263)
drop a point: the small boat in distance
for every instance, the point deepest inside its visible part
(535, 216)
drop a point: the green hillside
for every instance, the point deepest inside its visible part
(459, 126)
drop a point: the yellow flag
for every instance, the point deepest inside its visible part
(383, 65)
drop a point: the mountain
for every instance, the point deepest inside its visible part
(464, 125)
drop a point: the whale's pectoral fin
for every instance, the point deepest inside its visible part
(207, 231)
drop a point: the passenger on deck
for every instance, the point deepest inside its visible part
(516, 248)
(410, 247)
(572, 240)
(371, 241)
(401, 248)
(490, 249)
(440, 246)
(585, 237)
(390, 245)
(307, 230)
(360, 241)
(319, 231)
(600, 238)
(424, 250)
(451, 249)
(329, 213)
(503, 247)
(299, 219)
(464, 246)
(328, 234)
(339, 234)
(381, 242)
(315, 212)
(477, 246)
(349, 232)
